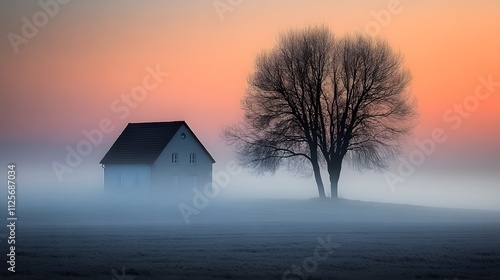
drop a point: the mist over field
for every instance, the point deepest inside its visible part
(427, 186)
(414, 85)
(88, 236)
(437, 224)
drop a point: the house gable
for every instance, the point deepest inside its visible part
(144, 142)
(183, 173)
(141, 157)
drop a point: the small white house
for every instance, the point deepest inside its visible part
(163, 156)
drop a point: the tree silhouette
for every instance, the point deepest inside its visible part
(318, 99)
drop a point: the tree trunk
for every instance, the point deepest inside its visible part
(334, 169)
(319, 181)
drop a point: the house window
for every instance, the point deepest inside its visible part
(175, 157)
(192, 158)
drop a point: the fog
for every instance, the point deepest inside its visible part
(453, 187)
(440, 222)
(260, 202)
(267, 227)
(83, 194)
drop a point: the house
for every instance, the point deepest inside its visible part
(157, 156)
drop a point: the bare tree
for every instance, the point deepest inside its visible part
(366, 110)
(314, 99)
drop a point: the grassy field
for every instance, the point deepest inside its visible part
(268, 239)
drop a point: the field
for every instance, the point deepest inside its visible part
(261, 239)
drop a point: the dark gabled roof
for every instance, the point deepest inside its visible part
(144, 142)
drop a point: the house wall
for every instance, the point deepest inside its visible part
(182, 177)
(127, 177)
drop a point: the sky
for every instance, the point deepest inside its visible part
(69, 65)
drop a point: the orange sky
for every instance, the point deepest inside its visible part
(90, 53)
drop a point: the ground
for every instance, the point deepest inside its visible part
(264, 239)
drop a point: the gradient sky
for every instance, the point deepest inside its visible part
(65, 78)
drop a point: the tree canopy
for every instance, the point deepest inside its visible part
(318, 99)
